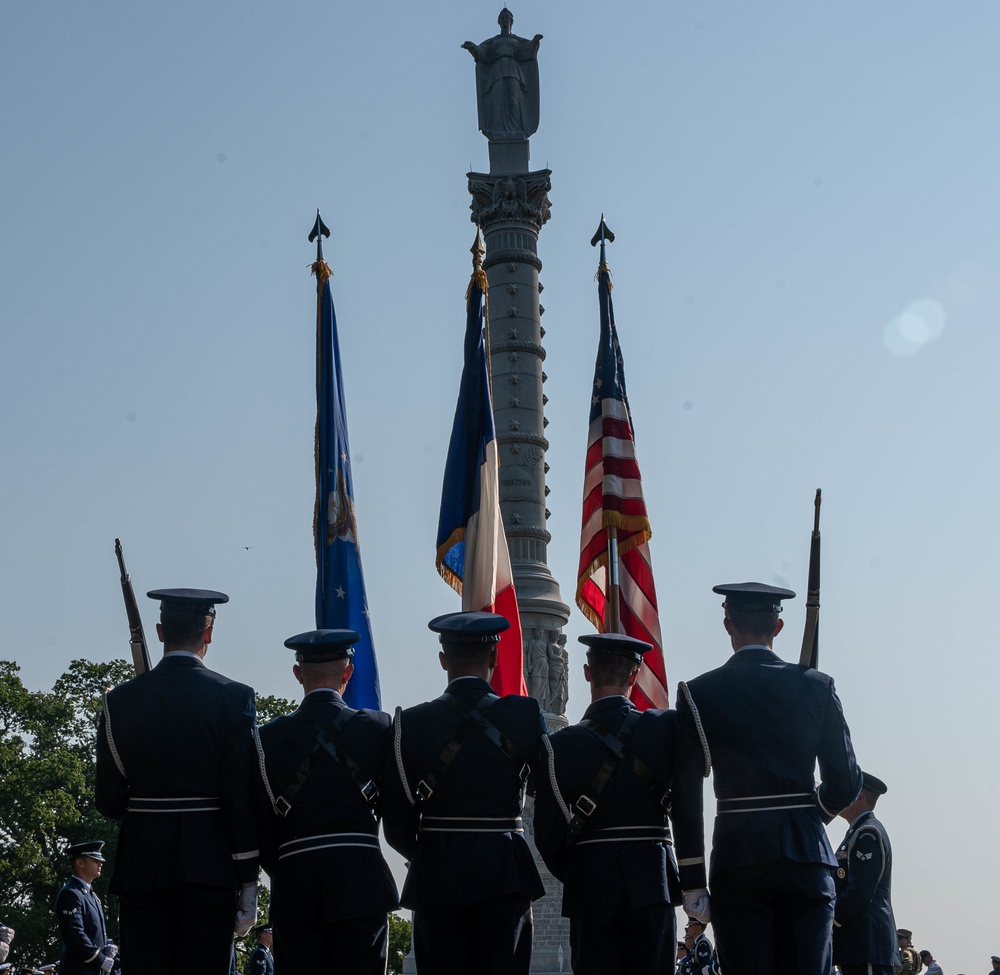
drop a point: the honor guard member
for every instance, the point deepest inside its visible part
(86, 949)
(762, 724)
(260, 961)
(601, 820)
(452, 805)
(331, 889)
(995, 961)
(864, 930)
(176, 764)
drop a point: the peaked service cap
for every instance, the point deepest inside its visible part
(615, 643)
(754, 597)
(469, 628)
(321, 646)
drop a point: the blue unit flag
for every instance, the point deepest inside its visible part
(340, 582)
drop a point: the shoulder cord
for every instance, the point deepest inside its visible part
(547, 745)
(397, 747)
(263, 768)
(683, 688)
(110, 737)
(881, 846)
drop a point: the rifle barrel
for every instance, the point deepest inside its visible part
(809, 655)
(137, 639)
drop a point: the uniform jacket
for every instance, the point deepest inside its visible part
(340, 872)
(767, 722)
(179, 732)
(459, 869)
(81, 927)
(864, 930)
(602, 869)
(260, 961)
(700, 960)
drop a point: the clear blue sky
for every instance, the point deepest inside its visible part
(807, 291)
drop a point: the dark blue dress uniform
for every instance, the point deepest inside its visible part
(864, 929)
(701, 958)
(176, 764)
(472, 876)
(330, 886)
(610, 843)
(260, 961)
(81, 922)
(765, 723)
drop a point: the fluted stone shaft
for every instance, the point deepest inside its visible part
(511, 205)
(511, 210)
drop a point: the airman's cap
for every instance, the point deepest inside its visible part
(995, 958)
(49, 968)
(321, 646)
(92, 849)
(261, 928)
(469, 629)
(753, 597)
(615, 643)
(871, 784)
(694, 920)
(188, 602)
(903, 933)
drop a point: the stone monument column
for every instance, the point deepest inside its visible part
(510, 204)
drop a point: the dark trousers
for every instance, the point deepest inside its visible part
(774, 919)
(490, 938)
(353, 946)
(866, 969)
(177, 932)
(620, 940)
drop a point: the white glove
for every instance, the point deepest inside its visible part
(112, 948)
(246, 910)
(696, 905)
(108, 963)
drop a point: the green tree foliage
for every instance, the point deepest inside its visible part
(47, 758)
(400, 933)
(270, 707)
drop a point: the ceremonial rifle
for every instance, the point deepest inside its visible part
(809, 654)
(137, 639)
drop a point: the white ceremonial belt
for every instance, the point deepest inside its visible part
(471, 824)
(174, 804)
(748, 804)
(327, 841)
(626, 834)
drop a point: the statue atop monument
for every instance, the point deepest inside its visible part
(506, 83)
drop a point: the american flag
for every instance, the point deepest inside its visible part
(613, 497)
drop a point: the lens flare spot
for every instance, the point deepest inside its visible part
(919, 323)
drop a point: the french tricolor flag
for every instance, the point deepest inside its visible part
(472, 553)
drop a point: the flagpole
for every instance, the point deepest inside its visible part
(612, 609)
